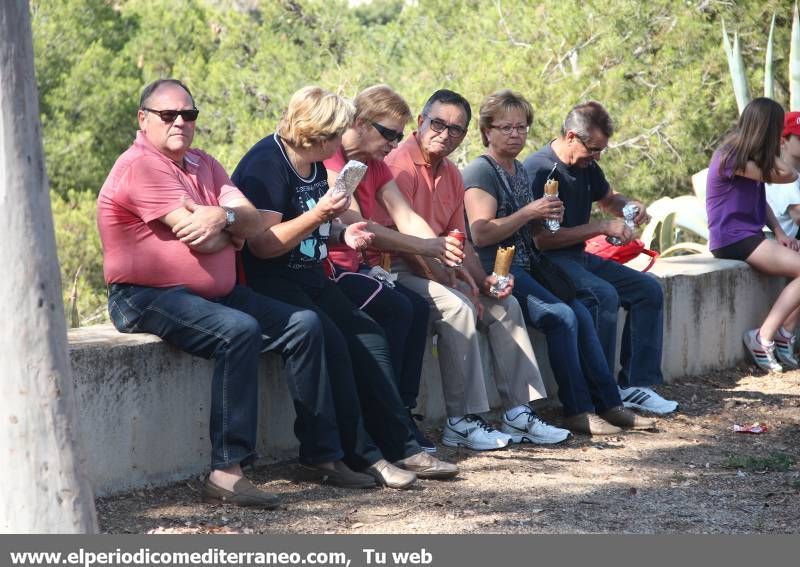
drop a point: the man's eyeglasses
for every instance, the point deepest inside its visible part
(507, 129)
(597, 151)
(170, 116)
(439, 126)
(388, 134)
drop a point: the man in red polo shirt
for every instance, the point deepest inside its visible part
(170, 221)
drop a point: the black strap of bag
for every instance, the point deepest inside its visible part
(550, 275)
(507, 195)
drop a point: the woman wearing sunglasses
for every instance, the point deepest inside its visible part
(284, 177)
(500, 212)
(380, 117)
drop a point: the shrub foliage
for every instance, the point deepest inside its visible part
(658, 66)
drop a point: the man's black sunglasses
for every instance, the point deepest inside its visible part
(388, 134)
(170, 116)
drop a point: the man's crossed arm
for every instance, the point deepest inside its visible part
(203, 227)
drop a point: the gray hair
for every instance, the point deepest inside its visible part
(150, 90)
(588, 116)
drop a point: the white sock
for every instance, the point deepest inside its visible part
(515, 412)
(785, 334)
(454, 420)
(762, 342)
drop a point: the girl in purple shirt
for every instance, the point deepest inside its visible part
(737, 212)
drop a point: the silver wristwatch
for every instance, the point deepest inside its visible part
(230, 216)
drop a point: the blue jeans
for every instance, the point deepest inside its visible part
(233, 330)
(373, 423)
(585, 382)
(603, 286)
(403, 316)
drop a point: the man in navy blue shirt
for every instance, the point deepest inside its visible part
(602, 285)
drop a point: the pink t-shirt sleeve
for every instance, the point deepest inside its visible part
(382, 173)
(335, 162)
(406, 183)
(151, 190)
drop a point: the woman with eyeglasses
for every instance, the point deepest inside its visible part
(380, 117)
(501, 211)
(284, 177)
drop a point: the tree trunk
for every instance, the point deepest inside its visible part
(44, 488)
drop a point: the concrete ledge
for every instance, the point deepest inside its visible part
(143, 409)
(143, 405)
(708, 305)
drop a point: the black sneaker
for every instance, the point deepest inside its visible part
(423, 441)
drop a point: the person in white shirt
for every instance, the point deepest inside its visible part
(784, 198)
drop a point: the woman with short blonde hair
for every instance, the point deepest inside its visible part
(314, 116)
(283, 175)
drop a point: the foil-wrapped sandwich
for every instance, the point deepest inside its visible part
(502, 266)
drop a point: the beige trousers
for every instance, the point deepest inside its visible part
(455, 322)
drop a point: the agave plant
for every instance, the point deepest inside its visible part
(741, 90)
(74, 315)
(738, 71)
(680, 225)
(769, 78)
(677, 226)
(794, 63)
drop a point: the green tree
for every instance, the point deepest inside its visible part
(79, 255)
(657, 66)
(87, 90)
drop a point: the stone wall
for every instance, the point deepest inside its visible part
(143, 405)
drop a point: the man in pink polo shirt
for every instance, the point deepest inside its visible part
(170, 221)
(461, 299)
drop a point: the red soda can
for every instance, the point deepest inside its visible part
(460, 236)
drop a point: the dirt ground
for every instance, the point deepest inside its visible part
(693, 475)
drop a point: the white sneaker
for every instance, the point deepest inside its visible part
(528, 427)
(763, 355)
(473, 432)
(784, 351)
(641, 398)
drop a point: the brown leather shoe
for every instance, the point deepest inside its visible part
(625, 418)
(590, 424)
(244, 493)
(341, 476)
(424, 465)
(386, 474)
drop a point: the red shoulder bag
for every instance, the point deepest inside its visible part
(599, 246)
